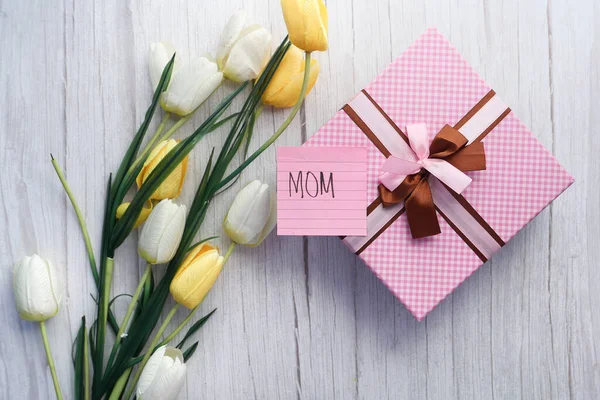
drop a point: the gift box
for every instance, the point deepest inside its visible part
(435, 214)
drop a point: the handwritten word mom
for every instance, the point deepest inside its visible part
(307, 182)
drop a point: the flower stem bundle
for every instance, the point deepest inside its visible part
(140, 362)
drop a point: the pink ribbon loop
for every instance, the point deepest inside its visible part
(395, 169)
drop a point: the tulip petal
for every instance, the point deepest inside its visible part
(171, 236)
(150, 369)
(54, 285)
(288, 96)
(191, 86)
(230, 34)
(146, 210)
(307, 23)
(290, 66)
(171, 186)
(249, 213)
(160, 54)
(196, 252)
(162, 232)
(248, 55)
(151, 234)
(156, 155)
(169, 377)
(36, 288)
(285, 86)
(192, 283)
(271, 222)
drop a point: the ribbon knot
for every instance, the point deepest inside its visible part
(405, 178)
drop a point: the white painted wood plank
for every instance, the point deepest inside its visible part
(574, 254)
(518, 319)
(100, 119)
(33, 208)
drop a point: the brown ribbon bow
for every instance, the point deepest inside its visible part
(450, 145)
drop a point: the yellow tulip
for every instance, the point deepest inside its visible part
(284, 89)
(146, 210)
(196, 275)
(307, 23)
(171, 187)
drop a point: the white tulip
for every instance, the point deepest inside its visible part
(252, 215)
(190, 84)
(163, 375)
(160, 54)
(243, 50)
(162, 232)
(36, 288)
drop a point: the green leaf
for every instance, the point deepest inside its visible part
(125, 224)
(110, 303)
(111, 318)
(148, 287)
(141, 329)
(92, 341)
(236, 137)
(192, 247)
(121, 187)
(80, 388)
(189, 352)
(247, 139)
(194, 328)
(146, 293)
(222, 122)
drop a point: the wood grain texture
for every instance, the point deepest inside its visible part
(303, 318)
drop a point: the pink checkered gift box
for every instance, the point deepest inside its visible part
(431, 83)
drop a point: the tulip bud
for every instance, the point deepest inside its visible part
(162, 232)
(36, 288)
(160, 55)
(190, 85)
(163, 375)
(171, 186)
(196, 275)
(307, 23)
(252, 216)
(243, 50)
(286, 84)
(146, 210)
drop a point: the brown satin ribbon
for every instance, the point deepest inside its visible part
(450, 145)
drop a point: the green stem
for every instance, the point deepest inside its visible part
(228, 253)
(128, 314)
(82, 224)
(193, 311)
(50, 361)
(155, 340)
(120, 385)
(179, 327)
(176, 126)
(86, 366)
(102, 315)
(277, 133)
(84, 231)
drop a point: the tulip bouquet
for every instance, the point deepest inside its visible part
(142, 360)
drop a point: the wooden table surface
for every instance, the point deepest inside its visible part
(302, 317)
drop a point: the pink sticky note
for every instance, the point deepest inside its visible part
(321, 191)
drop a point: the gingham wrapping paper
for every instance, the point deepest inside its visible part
(430, 82)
